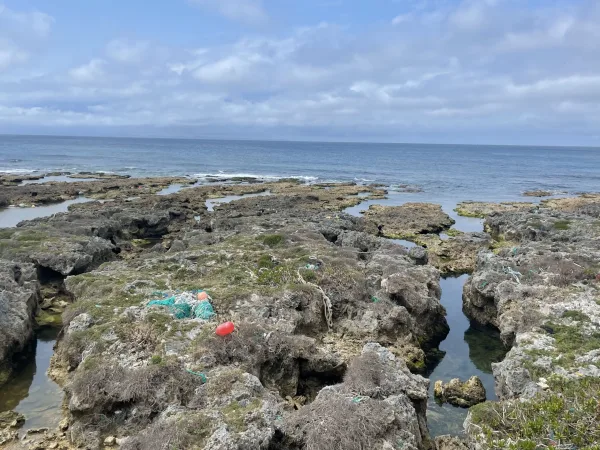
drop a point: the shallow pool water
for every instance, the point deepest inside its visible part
(31, 392)
(172, 189)
(404, 243)
(10, 217)
(469, 350)
(211, 203)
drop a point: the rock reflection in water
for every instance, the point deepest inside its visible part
(31, 392)
(468, 350)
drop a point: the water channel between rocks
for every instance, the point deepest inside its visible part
(469, 350)
(31, 392)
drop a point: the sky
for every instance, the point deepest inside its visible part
(439, 71)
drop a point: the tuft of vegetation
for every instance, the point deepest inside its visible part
(100, 386)
(561, 224)
(567, 416)
(576, 315)
(188, 432)
(235, 414)
(342, 423)
(266, 262)
(273, 240)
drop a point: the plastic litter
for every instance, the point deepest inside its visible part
(225, 329)
(204, 310)
(199, 375)
(374, 299)
(185, 305)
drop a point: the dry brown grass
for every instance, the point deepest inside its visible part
(149, 389)
(364, 376)
(341, 423)
(183, 433)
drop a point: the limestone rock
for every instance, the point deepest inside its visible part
(19, 299)
(409, 219)
(449, 443)
(458, 393)
(419, 254)
(80, 323)
(379, 401)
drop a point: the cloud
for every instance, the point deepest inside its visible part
(246, 11)
(447, 67)
(35, 22)
(10, 55)
(21, 33)
(402, 18)
(90, 72)
(127, 51)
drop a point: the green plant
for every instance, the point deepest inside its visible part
(567, 416)
(266, 261)
(576, 315)
(561, 224)
(273, 240)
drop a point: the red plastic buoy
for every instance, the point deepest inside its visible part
(202, 295)
(225, 329)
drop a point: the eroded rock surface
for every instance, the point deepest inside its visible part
(540, 287)
(19, 299)
(458, 393)
(409, 220)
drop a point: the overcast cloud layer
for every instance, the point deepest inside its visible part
(472, 71)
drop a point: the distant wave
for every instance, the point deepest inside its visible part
(16, 171)
(208, 176)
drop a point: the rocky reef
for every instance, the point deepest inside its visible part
(333, 321)
(328, 317)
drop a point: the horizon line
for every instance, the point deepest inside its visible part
(300, 141)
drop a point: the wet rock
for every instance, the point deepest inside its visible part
(109, 188)
(484, 209)
(409, 220)
(538, 193)
(11, 419)
(19, 299)
(582, 203)
(458, 393)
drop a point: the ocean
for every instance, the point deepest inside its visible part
(444, 173)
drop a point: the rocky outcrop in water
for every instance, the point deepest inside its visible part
(19, 299)
(484, 209)
(457, 253)
(458, 393)
(409, 220)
